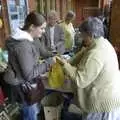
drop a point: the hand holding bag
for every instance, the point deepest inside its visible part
(33, 92)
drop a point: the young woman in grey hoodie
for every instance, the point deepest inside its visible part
(23, 60)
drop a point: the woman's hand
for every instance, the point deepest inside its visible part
(60, 60)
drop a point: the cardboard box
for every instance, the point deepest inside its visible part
(52, 104)
(52, 113)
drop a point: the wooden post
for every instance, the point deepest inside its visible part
(68, 5)
(115, 21)
(5, 31)
(47, 2)
(52, 5)
(58, 7)
(63, 8)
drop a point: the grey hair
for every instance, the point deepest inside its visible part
(52, 14)
(70, 14)
(93, 26)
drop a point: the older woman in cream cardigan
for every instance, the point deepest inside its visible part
(95, 74)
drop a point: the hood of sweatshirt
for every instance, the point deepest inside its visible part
(17, 37)
(19, 34)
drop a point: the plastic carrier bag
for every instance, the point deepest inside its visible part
(56, 76)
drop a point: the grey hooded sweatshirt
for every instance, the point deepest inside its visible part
(22, 59)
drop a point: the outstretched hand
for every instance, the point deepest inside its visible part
(60, 60)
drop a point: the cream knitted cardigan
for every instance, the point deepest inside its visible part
(96, 78)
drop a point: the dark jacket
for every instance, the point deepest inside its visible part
(58, 39)
(23, 64)
(41, 48)
(23, 60)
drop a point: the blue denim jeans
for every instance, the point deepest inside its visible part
(29, 112)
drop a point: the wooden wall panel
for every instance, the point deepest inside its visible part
(4, 31)
(40, 6)
(79, 9)
(115, 22)
(32, 5)
(68, 5)
(57, 7)
(63, 8)
(52, 5)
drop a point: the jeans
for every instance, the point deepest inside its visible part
(29, 112)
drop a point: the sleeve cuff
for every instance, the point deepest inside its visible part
(70, 70)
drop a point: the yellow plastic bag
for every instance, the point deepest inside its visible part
(56, 76)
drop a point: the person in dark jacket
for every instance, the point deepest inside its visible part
(54, 35)
(23, 62)
(42, 49)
